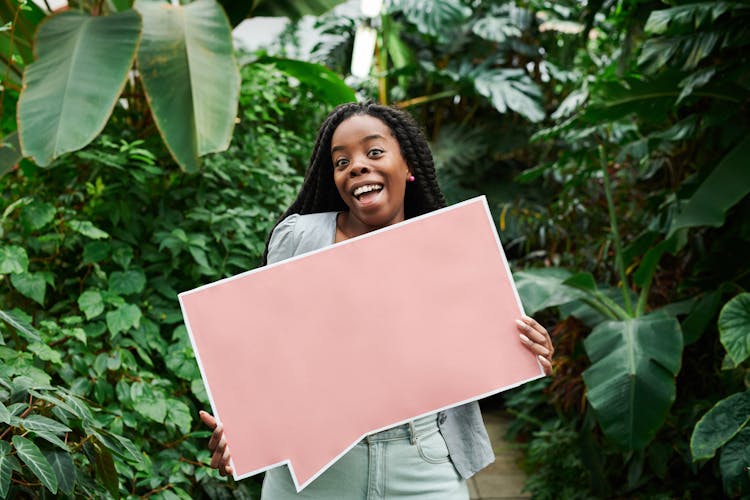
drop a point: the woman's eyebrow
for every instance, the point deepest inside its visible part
(364, 139)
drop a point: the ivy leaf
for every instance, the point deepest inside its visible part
(734, 328)
(180, 415)
(152, 407)
(31, 285)
(42, 423)
(123, 318)
(62, 464)
(127, 282)
(88, 229)
(45, 352)
(91, 303)
(13, 259)
(37, 214)
(96, 251)
(30, 454)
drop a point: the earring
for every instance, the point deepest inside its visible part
(411, 178)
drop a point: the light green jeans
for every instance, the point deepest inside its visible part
(408, 461)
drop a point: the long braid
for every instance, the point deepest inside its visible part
(319, 193)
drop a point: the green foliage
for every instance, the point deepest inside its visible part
(631, 380)
(193, 97)
(103, 366)
(72, 86)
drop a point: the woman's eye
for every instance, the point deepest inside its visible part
(375, 152)
(341, 162)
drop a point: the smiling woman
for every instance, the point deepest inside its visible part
(370, 175)
(371, 167)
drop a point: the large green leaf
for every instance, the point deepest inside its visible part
(438, 19)
(724, 187)
(37, 463)
(190, 76)
(734, 328)
(326, 84)
(733, 463)
(70, 90)
(720, 424)
(543, 288)
(631, 381)
(511, 89)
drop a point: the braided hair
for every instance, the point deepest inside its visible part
(319, 193)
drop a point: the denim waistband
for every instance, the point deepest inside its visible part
(419, 427)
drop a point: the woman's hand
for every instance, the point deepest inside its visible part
(217, 444)
(536, 339)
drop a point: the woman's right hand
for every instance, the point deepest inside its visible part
(217, 444)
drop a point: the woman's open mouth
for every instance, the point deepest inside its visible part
(368, 192)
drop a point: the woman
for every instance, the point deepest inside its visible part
(371, 167)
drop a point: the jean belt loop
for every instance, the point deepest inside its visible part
(412, 433)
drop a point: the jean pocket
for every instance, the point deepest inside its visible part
(432, 448)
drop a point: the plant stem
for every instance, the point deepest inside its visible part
(615, 232)
(425, 98)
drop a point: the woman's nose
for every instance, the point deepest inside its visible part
(358, 168)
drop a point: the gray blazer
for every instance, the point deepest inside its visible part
(462, 427)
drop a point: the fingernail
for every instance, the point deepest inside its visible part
(541, 358)
(524, 338)
(520, 323)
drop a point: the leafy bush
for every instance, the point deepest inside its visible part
(94, 251)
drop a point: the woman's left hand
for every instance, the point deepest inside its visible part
(536, 339)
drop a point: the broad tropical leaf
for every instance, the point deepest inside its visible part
(190, 75)
(734, 328)
(37, 463)
(511, 89)
(733, 463)
(719, 425)
(631, 381)
(325, 83)
(438, 19)
(70, 90)
(543, 288)
(725, 186)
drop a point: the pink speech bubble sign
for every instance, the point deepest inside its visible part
(303, 358)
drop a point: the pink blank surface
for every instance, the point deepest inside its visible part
(303, 358)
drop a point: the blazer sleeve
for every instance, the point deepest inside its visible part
(283, 244)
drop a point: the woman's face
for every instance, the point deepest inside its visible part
(369, 171)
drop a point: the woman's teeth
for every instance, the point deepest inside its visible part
(366, 189)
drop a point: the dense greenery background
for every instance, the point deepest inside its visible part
(610, 137)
